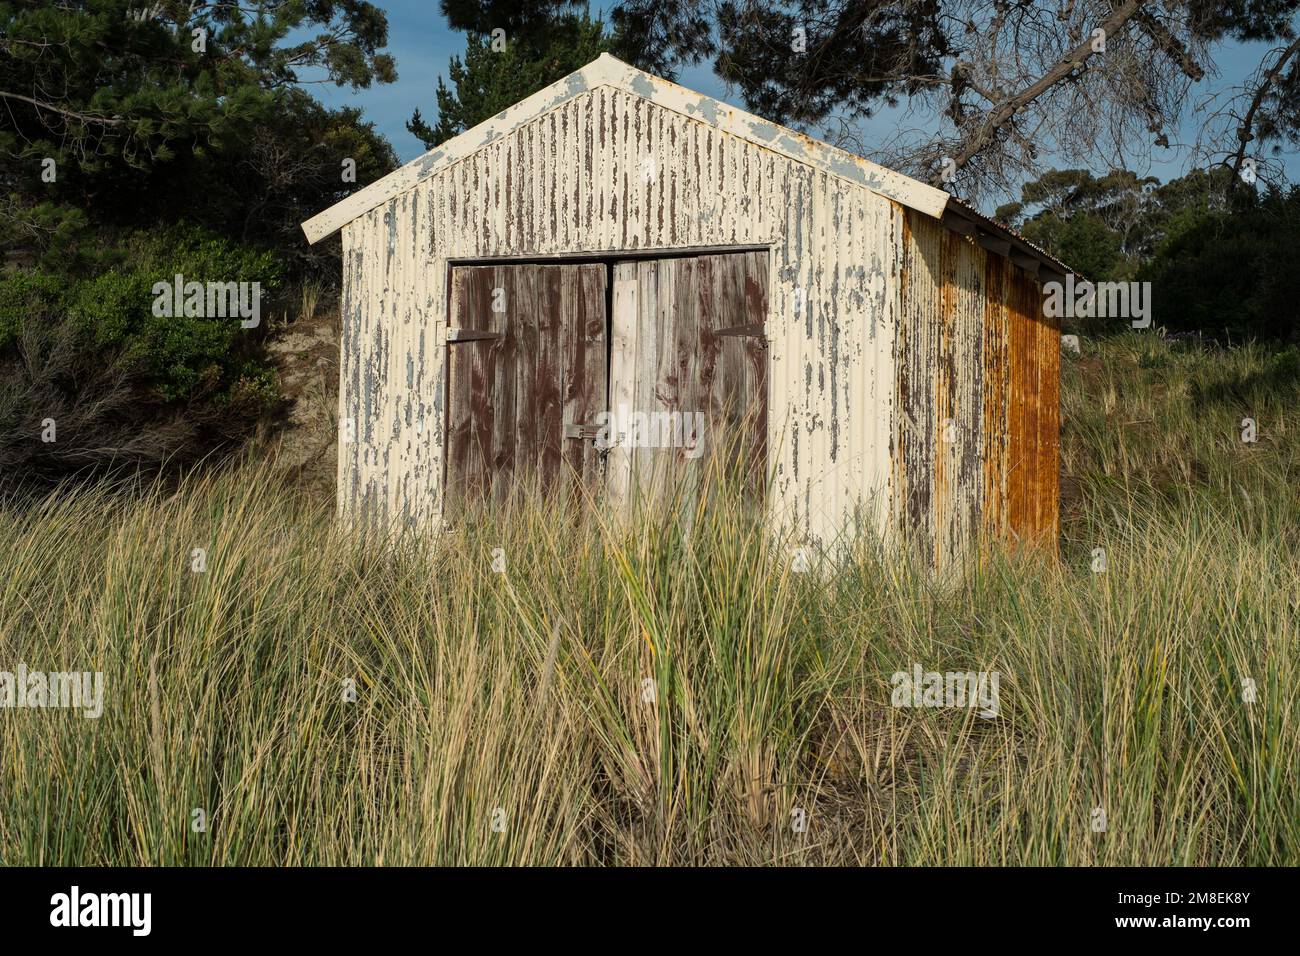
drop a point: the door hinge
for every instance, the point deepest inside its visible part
(754, 329)
(583, 432)
(470, 335)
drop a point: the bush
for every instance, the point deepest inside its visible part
(122, 385)
(1231, 273)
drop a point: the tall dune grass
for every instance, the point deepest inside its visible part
(677, 693)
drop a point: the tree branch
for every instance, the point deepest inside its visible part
(101, 120)
(1004, 112)
(1170, 44)
(1244, 134)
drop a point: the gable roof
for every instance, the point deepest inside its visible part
(608, 71)
(605, 70)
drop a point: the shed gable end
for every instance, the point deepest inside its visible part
(610, 73)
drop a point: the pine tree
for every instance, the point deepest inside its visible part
(498, 72)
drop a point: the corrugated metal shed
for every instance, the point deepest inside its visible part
(911, 377)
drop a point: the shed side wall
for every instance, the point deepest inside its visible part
(977, 435)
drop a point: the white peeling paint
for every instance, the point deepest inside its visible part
(550, 187)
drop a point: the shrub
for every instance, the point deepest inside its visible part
(1231, 273)
(122, 385)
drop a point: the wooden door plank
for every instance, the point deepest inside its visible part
(548, 369)
(525, 418)
(731, 394)
(625, 323)
(656, 380)
(585, 382)
(499, 461)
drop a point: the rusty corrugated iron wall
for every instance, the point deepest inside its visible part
(977, 434)
(606, 172)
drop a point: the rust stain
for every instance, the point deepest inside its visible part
(976, 453)
(1033, 467)
(995, 397)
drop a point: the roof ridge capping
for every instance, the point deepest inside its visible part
(607, 70)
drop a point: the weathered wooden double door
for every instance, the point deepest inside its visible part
(605, 374)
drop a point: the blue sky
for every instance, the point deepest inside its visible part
(423, 45)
